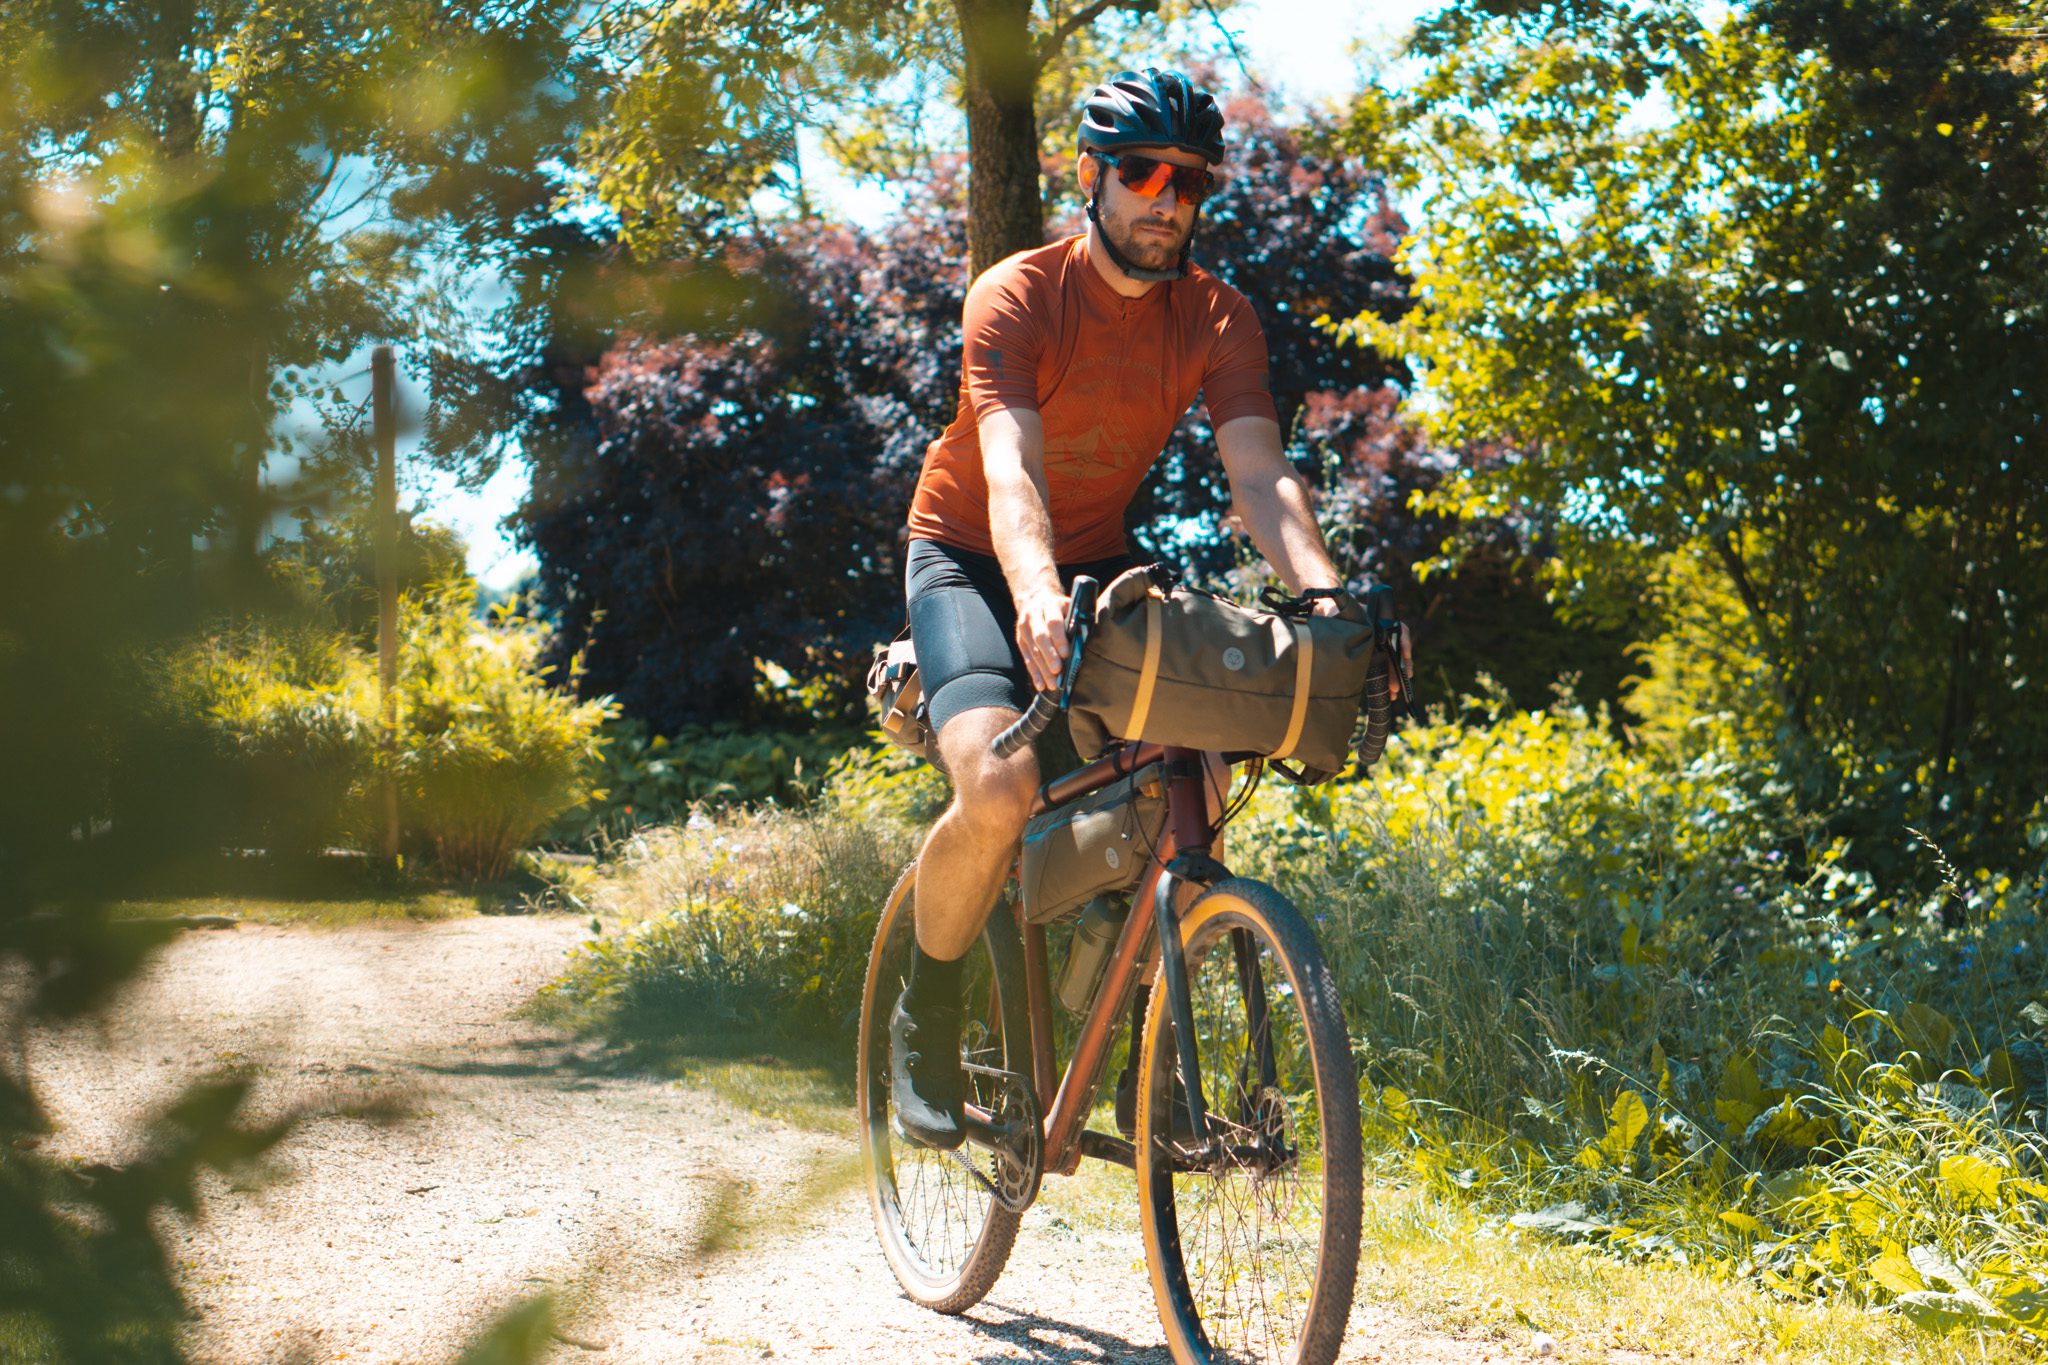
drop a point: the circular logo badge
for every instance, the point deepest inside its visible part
(1114, 858)
(1233, 658)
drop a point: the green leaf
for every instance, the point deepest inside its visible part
(1787, 1128)
(1567, 1220)
(1925, 1030)
(1742, 1222)
(2028, 1307)
(1974, 1180)
(1939, 1312)
(1626, 1120)
(1935, 1266)
(1781, 1193)
(1895, 1273)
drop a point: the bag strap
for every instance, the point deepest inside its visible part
(1148, 673)
(1304, 661)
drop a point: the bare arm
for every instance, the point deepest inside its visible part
(1275, 507)
(1013, 458)
(1274, 503)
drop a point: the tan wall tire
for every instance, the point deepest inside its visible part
(1254, 1264)
(945, 1239)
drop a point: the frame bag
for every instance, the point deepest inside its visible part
(1092, 845)
(1186, 668)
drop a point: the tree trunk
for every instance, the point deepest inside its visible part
(1003, 210)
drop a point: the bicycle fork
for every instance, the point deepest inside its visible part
(1192, 836)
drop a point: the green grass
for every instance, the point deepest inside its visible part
(414, 907)
(336, 893)
(1444, 1263)
(1574, 974)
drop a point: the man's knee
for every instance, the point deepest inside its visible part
(993, 795)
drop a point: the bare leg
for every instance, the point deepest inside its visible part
(968, 852)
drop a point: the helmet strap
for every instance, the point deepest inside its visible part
(1123, 262)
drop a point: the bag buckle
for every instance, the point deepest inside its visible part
(1300, 605)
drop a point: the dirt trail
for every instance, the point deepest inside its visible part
(529, 1161)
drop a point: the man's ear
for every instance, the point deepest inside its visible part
(1086, 170)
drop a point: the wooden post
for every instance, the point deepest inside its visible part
(384, 502)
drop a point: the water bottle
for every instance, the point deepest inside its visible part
(1095, 936)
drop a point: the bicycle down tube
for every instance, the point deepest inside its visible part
(1066, 1109)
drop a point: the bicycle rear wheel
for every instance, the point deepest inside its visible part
(945, 1237)
(1253, 1251)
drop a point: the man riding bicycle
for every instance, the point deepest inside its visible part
(1078, 360)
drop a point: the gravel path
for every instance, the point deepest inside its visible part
(674, 1225)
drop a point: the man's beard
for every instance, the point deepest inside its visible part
(1146, 250)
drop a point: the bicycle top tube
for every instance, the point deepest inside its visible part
(1123, 760)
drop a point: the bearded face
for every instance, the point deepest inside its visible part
(1149, 232)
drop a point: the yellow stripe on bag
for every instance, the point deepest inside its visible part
(1148, 674)
(1304, 656)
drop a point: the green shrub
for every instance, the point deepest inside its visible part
(649, 779)
(489, 754)
(879, 781)
(276, 733)
(1631, 996)
(739, 923)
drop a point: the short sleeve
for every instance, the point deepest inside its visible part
(1235, 383)
(1001, 339)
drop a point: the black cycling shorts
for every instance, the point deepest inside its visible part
(963, 625)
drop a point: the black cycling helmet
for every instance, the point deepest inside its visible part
(1153, 108)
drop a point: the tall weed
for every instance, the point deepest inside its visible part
(1638, 1000)
(739, 923)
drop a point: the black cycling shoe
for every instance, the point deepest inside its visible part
(926, 1083)
(1127, 1109)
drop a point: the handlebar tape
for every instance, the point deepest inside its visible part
(1379, 708)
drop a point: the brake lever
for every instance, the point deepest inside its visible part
(1386, 638)
(1080, 617)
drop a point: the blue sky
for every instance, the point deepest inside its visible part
(1307, 50)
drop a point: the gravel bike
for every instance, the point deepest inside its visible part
(1246, 1139)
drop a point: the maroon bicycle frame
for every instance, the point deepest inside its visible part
(1189, 829)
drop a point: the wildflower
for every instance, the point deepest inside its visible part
(1835, 986)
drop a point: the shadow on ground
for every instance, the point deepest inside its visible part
(1052, 1342)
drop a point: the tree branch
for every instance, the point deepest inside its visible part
(1049, 45)
(1738, 573)
(1230, 38)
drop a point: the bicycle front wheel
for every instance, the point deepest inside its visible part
(1252, 1245)
(945, 1236)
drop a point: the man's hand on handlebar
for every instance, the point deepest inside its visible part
(1042, 636)
(1327, 606)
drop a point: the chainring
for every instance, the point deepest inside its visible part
(1017, 1164)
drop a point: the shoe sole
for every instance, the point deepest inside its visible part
(915, 1140)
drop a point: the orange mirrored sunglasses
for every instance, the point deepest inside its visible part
(1148, 176)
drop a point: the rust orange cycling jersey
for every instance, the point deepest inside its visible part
(1108, 376)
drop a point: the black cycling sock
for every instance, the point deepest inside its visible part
(933, 981)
